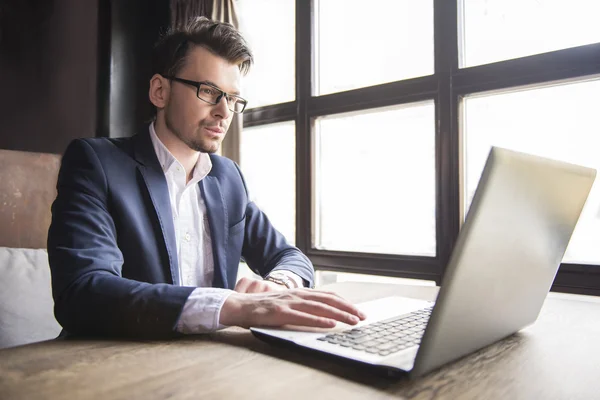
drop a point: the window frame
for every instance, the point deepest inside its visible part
(445, 87)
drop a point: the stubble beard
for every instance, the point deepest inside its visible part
(196, 143)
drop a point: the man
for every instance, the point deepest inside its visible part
(147, 232)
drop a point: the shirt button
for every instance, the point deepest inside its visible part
(188, 237)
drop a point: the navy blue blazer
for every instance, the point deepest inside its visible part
(111, 243)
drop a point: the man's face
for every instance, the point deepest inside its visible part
(200, 125)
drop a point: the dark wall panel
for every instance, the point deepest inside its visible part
(125, 58)
(48, 58)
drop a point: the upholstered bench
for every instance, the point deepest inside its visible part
(27, 189)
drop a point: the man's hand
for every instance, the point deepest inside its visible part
(302, 307)
(249, 285)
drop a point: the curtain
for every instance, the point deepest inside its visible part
(183, 10)
(218, 10)
(225, 11)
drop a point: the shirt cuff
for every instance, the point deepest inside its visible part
(202, 310)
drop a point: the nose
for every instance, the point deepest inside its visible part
(221, 109)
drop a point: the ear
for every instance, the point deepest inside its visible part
(159, 91)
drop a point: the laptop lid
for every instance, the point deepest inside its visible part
(516, 232)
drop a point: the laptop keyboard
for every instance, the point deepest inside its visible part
(384, 337)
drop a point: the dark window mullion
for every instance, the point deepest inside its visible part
(447, 135)
(304, 77)
(388, 94)
(270, 114)
(578, 278)
(535, 69)
(377, 264)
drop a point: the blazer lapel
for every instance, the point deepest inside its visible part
(218, 222)
(156, 183)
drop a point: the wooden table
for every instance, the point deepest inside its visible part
(557, 358)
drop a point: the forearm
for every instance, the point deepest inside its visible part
(102, 304)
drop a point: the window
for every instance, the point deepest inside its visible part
(558, 121)
(357, 50)
(269, 165)
(396, 105)
(269, 28)
(496, 30)
(375, 181)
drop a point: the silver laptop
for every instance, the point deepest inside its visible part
(509, 249)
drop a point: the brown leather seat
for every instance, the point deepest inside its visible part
(27, 189)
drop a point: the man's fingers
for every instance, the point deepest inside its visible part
(332, 300)
(242, 285)
(273, 287)
(249, 285)
(263, 287)
(324, 310)
(325, 292)
(299, 318)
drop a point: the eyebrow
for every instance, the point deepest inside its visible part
(235, 93)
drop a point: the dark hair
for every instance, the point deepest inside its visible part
(220, 38)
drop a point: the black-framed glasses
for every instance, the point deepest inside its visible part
(212, 95)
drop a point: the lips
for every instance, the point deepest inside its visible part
(215, 129)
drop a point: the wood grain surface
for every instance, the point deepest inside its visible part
(556, 358)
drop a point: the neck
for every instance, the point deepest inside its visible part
(186, 156)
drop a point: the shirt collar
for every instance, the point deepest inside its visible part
(168, 160)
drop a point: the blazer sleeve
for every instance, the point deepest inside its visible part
(265, 249)
(90, 295)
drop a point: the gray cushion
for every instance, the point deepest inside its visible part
(26, 305)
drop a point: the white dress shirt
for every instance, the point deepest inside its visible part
(192, 236)
(202, 309)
